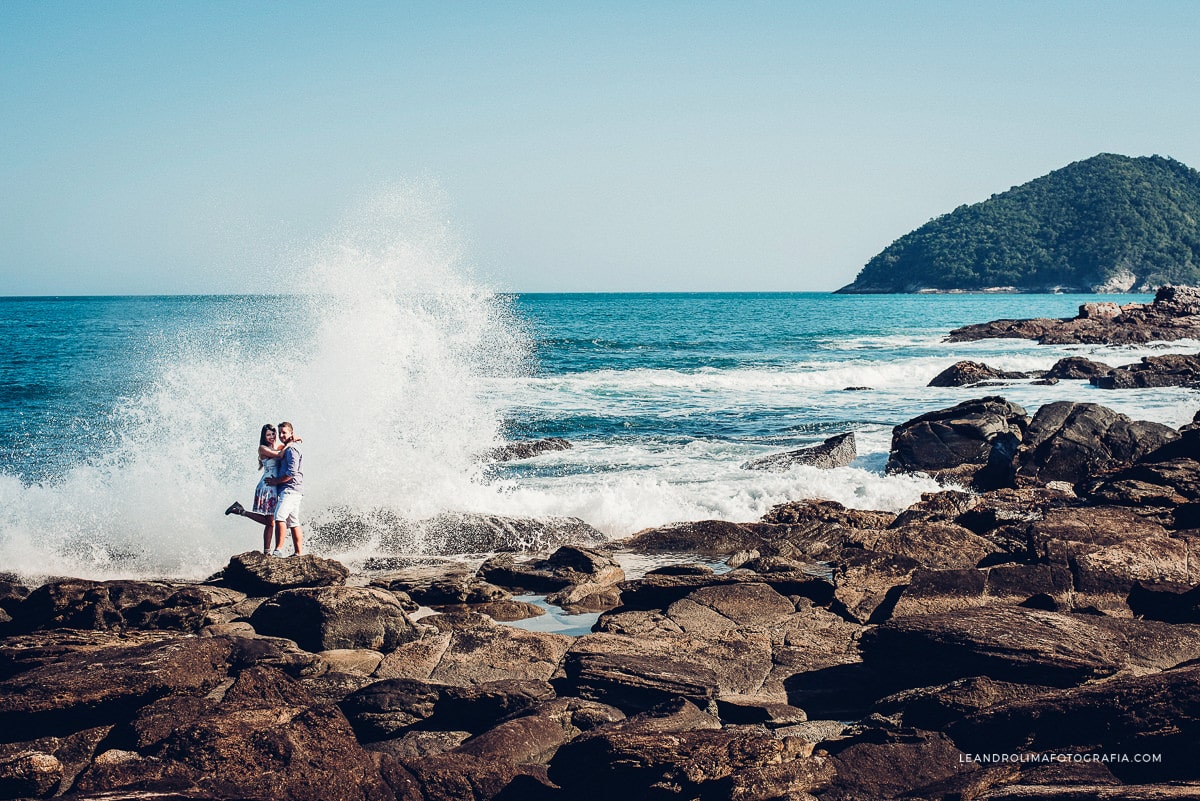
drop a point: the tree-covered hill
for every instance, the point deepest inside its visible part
(1109, 223)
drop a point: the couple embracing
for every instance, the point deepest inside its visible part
(280, 490)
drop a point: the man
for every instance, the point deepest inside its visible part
(291, 488)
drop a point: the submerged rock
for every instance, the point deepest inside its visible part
(527, 450)
(966, 373)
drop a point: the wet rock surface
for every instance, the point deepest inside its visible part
(837, 654)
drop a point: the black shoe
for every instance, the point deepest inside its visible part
(235, 509)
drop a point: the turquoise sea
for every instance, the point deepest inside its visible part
(127, 424)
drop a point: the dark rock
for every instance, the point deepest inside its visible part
(714, 610)
(12, 593)
(324, 618)
(503, 611)
(120, 605)
(1010, 643)
(473, 649)
(455, 533)
(1173, 370)
(442, 584)
(1155, 484)
(567, 566)
(1173, 315)
(1170, 603)
(384, 709)
(264, 738)
(527, 450)
(257, 574)
(711, 537)
(933, 708)
(39, 768)
(1156, 714)
(1077, 368)
(837, 451)
(811, 515)
(633, 675)
(882, 765)
(417, 744)
(1000, 471)
(944, 442)
(867, 583)
(1075, 441)
(454, 776)
(86, 689)
(965, 373)
(932, 591)
(683, 765)
(933, 545)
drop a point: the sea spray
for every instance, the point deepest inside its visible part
(374, 349)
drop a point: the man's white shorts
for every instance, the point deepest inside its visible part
(288, 508)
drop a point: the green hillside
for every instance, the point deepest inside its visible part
(1109, 223)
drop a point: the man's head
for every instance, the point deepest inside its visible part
(285, 432)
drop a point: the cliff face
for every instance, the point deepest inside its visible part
(1107, 224)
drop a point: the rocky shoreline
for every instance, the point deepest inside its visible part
(1034, 636)
(1174, 314)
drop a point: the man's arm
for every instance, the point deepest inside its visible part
(285, 469)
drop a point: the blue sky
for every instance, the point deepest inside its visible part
(201, 147)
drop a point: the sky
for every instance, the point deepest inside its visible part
(201, 147)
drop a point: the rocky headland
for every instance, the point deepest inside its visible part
(1030, 631)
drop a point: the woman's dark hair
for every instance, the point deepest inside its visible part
(262, 440)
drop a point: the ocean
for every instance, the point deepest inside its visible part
(128, 424)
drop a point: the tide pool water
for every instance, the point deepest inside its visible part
(128, 424)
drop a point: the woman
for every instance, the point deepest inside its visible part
(266, 496)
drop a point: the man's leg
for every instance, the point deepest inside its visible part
(297, 539)
(279, 528)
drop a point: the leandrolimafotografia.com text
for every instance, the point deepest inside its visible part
(994, 758)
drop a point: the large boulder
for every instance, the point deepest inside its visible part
(120, 605)
(1077, 368)
(326, 618)
(954, 443)
(837, 451)
(1076, 441)
(257, 574)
